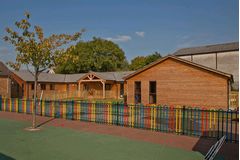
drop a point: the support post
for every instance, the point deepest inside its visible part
(79, 89)
(104, 95)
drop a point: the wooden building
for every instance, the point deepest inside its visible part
(198, 76)
(223, 57)
(5, 81)
(175, 81)
(92, 85)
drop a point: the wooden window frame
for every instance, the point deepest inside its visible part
(52, 87)
(43, 88)
(153, 94)
(137, 94)
(32, 86)
(108, 87)
(121, 90)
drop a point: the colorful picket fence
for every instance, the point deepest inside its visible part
(180, 120)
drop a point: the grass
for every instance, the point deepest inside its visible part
(61, 144)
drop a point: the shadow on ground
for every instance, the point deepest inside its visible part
(5, 157)
(229, 151)
(45, 122)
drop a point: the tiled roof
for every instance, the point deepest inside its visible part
(73, 77)
(43, 77)
(234, 46)
(115, 76)
(69, 78)
(4, 71)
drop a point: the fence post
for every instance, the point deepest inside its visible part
(117, 114)
(218, 125)
(0, 103)
(183, 119)
(40, 107)
(72, 109)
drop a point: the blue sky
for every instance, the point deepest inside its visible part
(139, 27)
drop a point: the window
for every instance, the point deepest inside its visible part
(22, 89)
(121, 90)
(67, 87)
(108, 86)
(43, 86)
(152, 92)
(52, 87)
(137, 92)
(32, 86)
(86, 87)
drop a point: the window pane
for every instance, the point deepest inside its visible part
(137, 87)
(137, 92)
(152, 92)
(108, 86)
(121, 89)
(152, 98)
(152, 87)
(52, 87)
(43, 86)
(32, 86)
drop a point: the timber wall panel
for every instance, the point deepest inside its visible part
(181, 84)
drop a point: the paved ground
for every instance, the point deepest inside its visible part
(58, 143)
(202, 145)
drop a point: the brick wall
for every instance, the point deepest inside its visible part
(181, 84)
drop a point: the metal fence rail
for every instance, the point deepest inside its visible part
(180, 120)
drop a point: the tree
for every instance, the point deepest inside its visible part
(152, 57)
(141, 61)
(137, 62)
(95, 55)
(36, 51)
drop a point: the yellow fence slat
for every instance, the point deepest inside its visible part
(43, 108)
(64, 110)
(25, 106)
(53, 109)
(155, 118)
(17, 105)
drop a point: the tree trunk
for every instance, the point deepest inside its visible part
(35, 101)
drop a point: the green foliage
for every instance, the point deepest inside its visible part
(137, 62)
(141, 61)
(33, 49)
(95, 55)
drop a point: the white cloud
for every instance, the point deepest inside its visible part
(140, 34)
(120, 38)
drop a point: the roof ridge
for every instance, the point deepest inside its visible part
(114, 76)
(182, 60)
(210, 45)
(205, 49)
